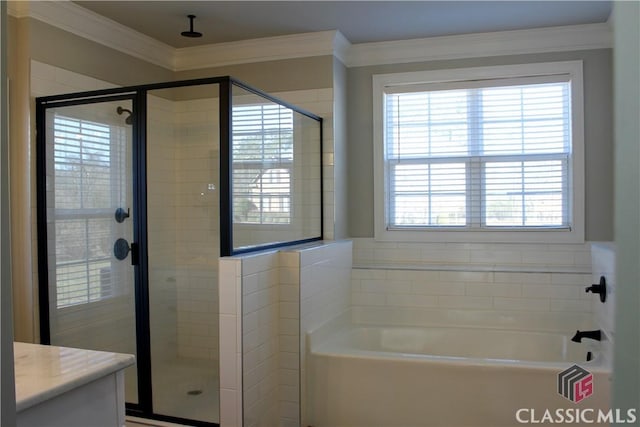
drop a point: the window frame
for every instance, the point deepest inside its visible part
(399, 81)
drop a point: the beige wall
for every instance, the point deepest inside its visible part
(274, 76)
(54, 46)
(340, 150)
(7, 387)
(598, 134)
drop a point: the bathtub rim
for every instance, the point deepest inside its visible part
(317, 348)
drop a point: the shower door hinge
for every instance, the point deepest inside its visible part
(135, 258)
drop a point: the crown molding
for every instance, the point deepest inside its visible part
(82, 22)
(18, 9)
(70, 17)
(538, 40)
(255, 50)
(341, 47)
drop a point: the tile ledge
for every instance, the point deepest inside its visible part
(494, 268)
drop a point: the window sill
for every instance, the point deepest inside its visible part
(550, 236)
(480, 268)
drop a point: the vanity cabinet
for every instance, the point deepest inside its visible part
(68, 387)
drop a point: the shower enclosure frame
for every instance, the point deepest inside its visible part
(138, 96)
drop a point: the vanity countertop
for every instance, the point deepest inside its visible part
(43, 372)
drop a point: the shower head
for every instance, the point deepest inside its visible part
(129, 119)
(191, 33)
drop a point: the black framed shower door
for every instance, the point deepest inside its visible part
(92, 180)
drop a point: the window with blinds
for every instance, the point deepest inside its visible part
(262, 161)
(85, 160)
(479, 155)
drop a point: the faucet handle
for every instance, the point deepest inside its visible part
(599, 288)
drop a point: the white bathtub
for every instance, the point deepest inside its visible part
(446, 377)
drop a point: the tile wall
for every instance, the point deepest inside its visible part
(409, 282)
(320, 103)
(604, 264)
(197, 159)
(325, 295)
(262, 363)
(163, 280)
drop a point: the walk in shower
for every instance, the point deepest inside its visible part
(140, 191)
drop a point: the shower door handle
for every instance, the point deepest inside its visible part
(121, 249)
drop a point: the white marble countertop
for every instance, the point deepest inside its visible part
(43, 372)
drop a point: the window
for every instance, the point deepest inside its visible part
(262, 161)
(494, 151)
(86, 157)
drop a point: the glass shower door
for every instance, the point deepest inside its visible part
(90, 229)
(183, 235)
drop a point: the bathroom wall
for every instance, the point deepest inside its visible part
(307, 83)
(598, 133)
(7, 385)
(197, 158)
(603, 255)
(162, 234)
(249, 319)
(325, 273)
(302, 220)
(262, 297)
(412, 283)
(320, 102)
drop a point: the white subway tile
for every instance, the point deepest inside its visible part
(570, 305)
(288, 376)
(551, 291)
(229, 408)
(571, 279)
(364, 298)
(412, 300)
(464, 302)
(529, 304)
(466, 276)
(493, 289)
(438, 288)
(289, 360)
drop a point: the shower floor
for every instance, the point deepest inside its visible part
(187, 388)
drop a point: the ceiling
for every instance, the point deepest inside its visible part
(358, 21)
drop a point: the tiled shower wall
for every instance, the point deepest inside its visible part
(183, 227)
(320, 103)
(263, 359)
(413, 283)
(197, 213)
(161, 197)
(604, 264)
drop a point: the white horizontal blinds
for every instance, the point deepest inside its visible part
(83, 172)
(262, 160)
(427, 138)
(495, 154)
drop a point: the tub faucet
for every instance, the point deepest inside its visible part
(594, 335)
